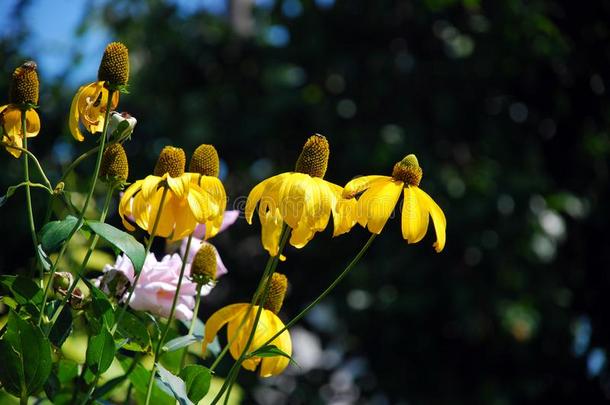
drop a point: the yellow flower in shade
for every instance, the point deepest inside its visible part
(23, 95)
(268, 325)
(381, 193)
(90, 101)
(186, 203)
(302, 199)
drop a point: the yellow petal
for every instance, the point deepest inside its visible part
(74, 116)
(125, 205)
(11, 119)
(179, 185)
(271, 366)
(213, 186)
(149, 186)
(16, 141)
(200, 204)
(219, 319)
(377, 203)
(438, 218)
(359, 184)
(291, 194)
(271, 229)
(301, 235)
(255, 195)
(32, 123)
(185, 220)
(414, 216)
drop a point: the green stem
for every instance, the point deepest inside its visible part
(91, 389)
(81, 217)
(34, 159)
(151, 379)
(92, 244)
(28, 195)
(146, 252)
(193, 322)
(267, 276)
(315, 302)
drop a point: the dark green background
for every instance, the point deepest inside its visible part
(505, 105)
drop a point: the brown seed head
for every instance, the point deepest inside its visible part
(203, 269)
(171, 160)
(114, 164)
(314, 157)
(277, 292)
(205, 161)
(24, 85)
(114, 67)
(408, 171)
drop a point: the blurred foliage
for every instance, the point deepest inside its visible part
(505, 104)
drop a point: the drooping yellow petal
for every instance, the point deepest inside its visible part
(11, 120)
(359, 184)
(377, 203)
(271, 229)
(271, 366)
(255, 195)
(178, 185)
(185, 220)
(291, 197)
(125, 205)
(149, 186)
(200, 204)
(32, 123)
(414, 216)
(13, 140)
(74, 116)
(213, 186)
(301, 235)
(438, 218)
(219, 319)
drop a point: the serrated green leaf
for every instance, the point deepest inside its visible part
(122, 241)
(54, 233)
(25, 356)
(100, 352)
(197, 379)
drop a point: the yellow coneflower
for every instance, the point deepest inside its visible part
(186, 204)
(381, 194)
(205, 168)
(302, 199)
(90, 101)
(268, 325)
(23, 96)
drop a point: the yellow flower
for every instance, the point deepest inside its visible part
(302, 199)
(22, 95)
(90, 101)
(381, 193)
(268, 325)
(190, 199)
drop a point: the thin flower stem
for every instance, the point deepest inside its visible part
(315, 302)
(193, 322)
(28, 195)
(93, 243)
(146, 252)
(81, 217)
(268, 274)
(151, 379)
(34, 159)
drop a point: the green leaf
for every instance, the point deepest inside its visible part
(122, 241)
(197, 379)
(134, 330)
(175, 385)
(25, 356)
(43, 258)
(199, 330)
(54, 233)
(23, 289)
(62, 327)
(270, 351)
(67, 370)
(100, 305)
(180, 342)
(52, 386)
(100, 352)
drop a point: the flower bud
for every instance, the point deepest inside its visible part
(115, 283)
(205, 161)
(114, 167)
(277, 292)
(314, 157)
(117, 129)
(114, 67)
(24, 85)
(408, 171)
(171, 160)
(203, 268)
(62, 280)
